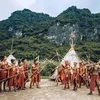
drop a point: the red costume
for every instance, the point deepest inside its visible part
(26, 71)
(0, 71)
(35, 78)
(12, 81)
(66, 74)
(59, 74)
(36, 73)
(15, 80)
(94, 78)
(67, 77)
(4, 71)
(62, 73)
(80, 76)
(74, 78)
(21, 77)
(0, 78)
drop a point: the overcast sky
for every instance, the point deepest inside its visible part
(51, 7)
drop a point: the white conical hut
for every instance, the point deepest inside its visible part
(71, 57)
(11, 57)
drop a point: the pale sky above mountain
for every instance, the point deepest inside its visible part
(51, 7)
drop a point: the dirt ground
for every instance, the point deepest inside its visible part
(49, 91)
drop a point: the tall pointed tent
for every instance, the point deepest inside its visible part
(11, 57)
(71, 57)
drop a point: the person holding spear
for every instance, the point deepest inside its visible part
(12, 82)
(35, 74)
(4, 72)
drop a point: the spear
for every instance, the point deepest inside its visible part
(11, 77)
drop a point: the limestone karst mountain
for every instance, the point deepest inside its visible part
(40, 34)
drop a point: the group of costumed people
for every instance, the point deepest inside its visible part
(14, 76)
(78, 75)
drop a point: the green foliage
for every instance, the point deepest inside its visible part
(26, 21)
(28, 47)
(34, 26)
(48, 69)
(91, 49)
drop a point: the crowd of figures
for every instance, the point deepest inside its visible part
(85, 74)
(14, 76)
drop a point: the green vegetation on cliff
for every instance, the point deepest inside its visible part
(29, 29)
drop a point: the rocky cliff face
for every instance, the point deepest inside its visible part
(61, 33)
(39, 34)
(81, 22)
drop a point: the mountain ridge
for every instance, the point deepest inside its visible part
(33, 31)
